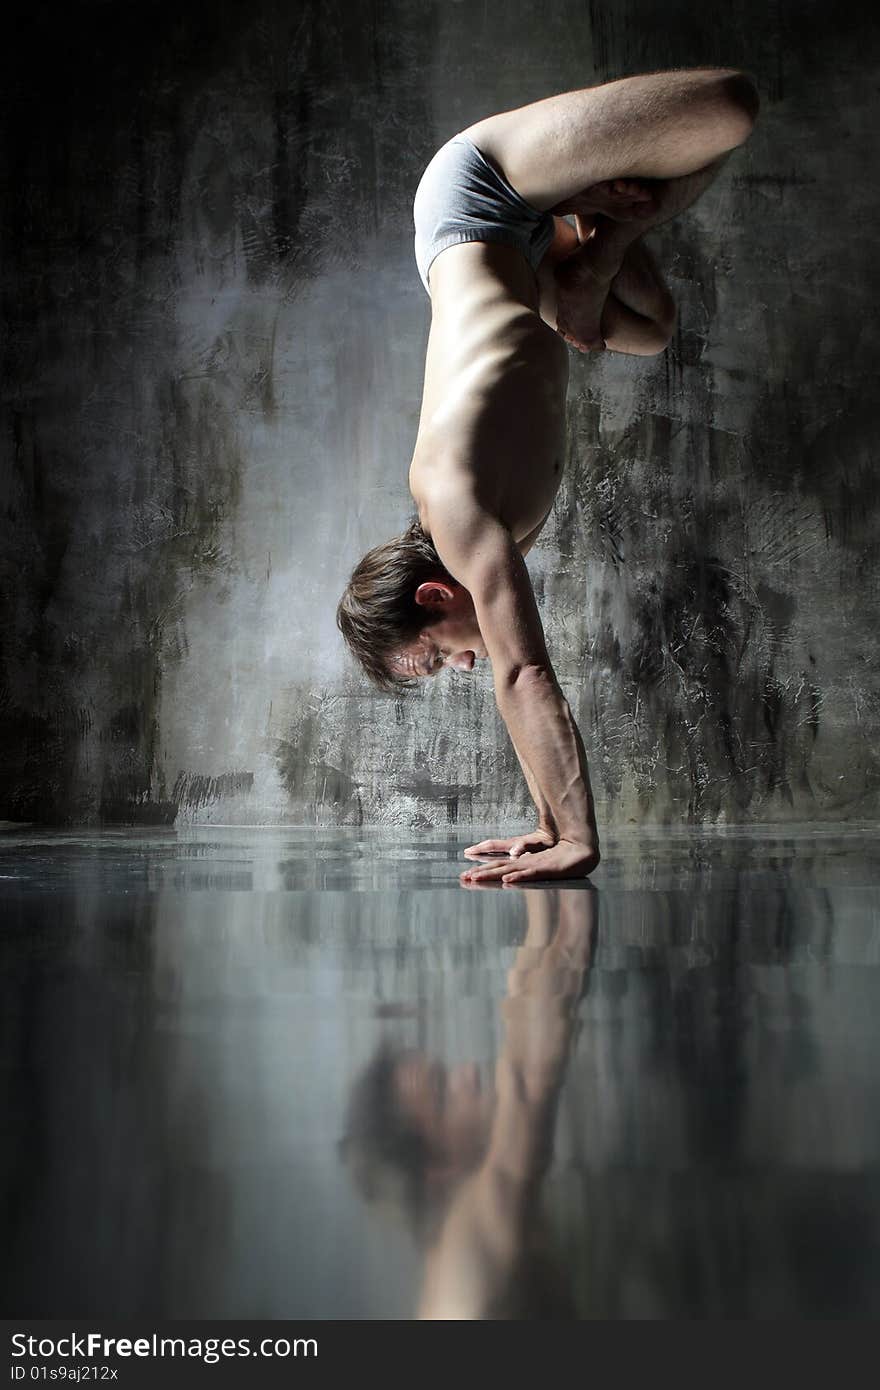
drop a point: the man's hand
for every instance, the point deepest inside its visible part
(565, 859)
(520, 844)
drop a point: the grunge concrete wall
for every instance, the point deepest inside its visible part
(212, 337)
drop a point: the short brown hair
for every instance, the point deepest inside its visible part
(385, 1151)
(378, 611)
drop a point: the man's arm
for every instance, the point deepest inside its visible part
(541, 838)
(545, 815)
(546, 821)
(545, 834)
(481, 554)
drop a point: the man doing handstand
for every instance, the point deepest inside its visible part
(511, 281)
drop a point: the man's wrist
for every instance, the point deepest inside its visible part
(580, 834)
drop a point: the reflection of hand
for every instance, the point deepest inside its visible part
(513, 848)
(565, 859)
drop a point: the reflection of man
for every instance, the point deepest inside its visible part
(467, 1167)
(510, 282)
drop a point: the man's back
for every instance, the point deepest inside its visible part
(493, 407)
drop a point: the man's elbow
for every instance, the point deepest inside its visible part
(524, 676)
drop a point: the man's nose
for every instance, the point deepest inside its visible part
(461, 661)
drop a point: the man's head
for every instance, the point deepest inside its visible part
(404, 616)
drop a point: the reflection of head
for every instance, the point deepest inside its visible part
(384, 1149)
(378, 611)
(412, 1131)
(410, 1162)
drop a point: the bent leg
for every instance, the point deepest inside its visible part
(661, 125)
(636, 312)
(587, 285)
(639, 314)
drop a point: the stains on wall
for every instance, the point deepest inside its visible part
(191, 790)
(211, 359)
(118, 474)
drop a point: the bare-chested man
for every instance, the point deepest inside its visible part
(511, 282)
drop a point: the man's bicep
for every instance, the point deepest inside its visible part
(508, 616)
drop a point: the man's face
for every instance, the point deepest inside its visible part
(453, 640)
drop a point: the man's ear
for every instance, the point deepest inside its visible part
(433, 591)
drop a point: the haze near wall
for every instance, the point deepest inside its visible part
(212, 351)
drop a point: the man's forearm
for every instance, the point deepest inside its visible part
(548, 741)
(542, 805)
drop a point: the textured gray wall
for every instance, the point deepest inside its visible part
(212, 356)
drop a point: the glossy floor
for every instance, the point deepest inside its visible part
(293, 1073)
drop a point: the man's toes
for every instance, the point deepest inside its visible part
(630, 188)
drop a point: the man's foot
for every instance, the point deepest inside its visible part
(583, 282)
(621, 200)
(580, 300)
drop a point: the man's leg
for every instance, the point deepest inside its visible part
(610, 291)
(639, 313)
(634, 311)
(563, 154)
(663, 125)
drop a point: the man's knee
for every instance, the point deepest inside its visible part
(743, 96)
(656, 336)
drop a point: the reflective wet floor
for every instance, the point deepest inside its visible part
(305, 1074)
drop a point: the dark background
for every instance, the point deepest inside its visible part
(212, 337)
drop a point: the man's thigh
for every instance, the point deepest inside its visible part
(661, 125)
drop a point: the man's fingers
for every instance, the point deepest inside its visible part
(533, 871)
(502, 877)
(502, 872)
(485, 873)
(566, 859)
(522, 875)
(519, 844)
(489, 847)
